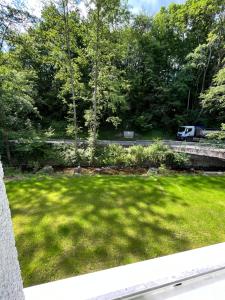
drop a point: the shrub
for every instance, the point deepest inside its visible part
(218, 135)
(156, 154)
(163, 170)
(36, 153)
(113, 155)
(66, 156)
(30, 149)
(135, 156)
(179, 160)
(138, 156)
(159, 154)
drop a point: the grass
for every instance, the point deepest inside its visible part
(65, 226)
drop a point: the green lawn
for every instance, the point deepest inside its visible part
(66, 226)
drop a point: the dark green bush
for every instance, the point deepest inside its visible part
(28, 148)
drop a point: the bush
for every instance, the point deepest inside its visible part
(67, 156)
(113, 155)
(179, 160)
(138, 156)
(35, 153)
(218, 135)
(30, 149)
(135, 156)
(163, 170)
(159, 154)
(156, 154)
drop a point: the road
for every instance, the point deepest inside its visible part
(122, 143)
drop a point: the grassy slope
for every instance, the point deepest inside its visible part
(68, 226)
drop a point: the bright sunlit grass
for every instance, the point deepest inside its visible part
(68, 226)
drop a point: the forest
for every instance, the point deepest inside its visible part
(111, 68)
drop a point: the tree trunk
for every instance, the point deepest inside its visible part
(11, 286)
(71, 70)
(7, 147)
(221, 34)
(94, 119)
(96, 75)
(204, 77)
(206, 68)
(188, 100)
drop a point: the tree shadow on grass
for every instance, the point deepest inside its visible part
(68, 226)
(199, 181)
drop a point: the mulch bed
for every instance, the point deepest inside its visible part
(104, 171)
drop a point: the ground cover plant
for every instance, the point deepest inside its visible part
(65, 226)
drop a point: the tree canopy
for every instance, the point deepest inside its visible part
(112, 67)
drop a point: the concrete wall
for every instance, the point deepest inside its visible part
(200, 150)
(11, 287)
(207, 163)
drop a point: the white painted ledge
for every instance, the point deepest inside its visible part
(201, 270)
(11, 287)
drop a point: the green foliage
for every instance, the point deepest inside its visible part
(135, 156)
(114, 155)
(11, 18)
(103, 52)
(218, 135)
(33, 152)
(16, 95)
(66, 156)
(159, 154)
(30, 149)
(213, 99)
(162, 170)
(132, 71)
(143, 122)
(12, 171)
(139, 156)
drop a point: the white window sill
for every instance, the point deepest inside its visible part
(194, 275)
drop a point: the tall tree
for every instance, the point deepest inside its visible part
(213, 100)
(56, 55)
(70, 68)
(102, 44)
(16, 98)
(10, 19)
